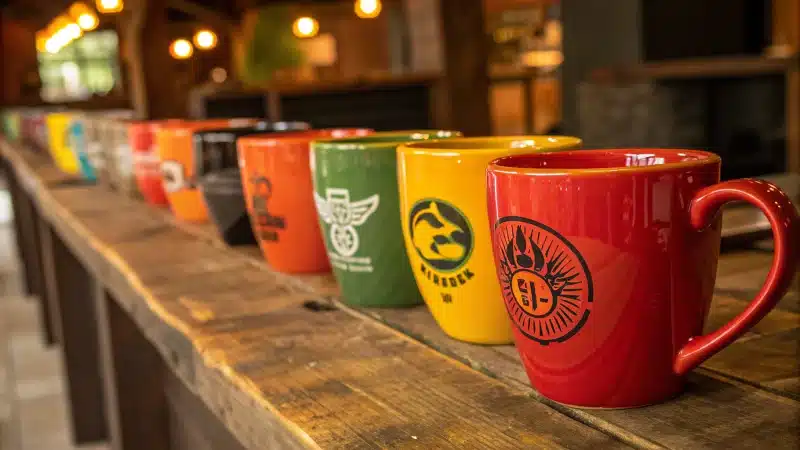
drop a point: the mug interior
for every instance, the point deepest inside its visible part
(497, 143)
(606, 160)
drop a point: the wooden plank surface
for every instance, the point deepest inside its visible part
(279, 370)
(280, 375)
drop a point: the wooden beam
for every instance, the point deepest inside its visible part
(212, 16)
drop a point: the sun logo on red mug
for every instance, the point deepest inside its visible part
(547, 287)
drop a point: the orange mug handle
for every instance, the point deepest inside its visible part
(783, 219)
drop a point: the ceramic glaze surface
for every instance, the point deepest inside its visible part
(175, 152)
(607, 261)
(58, 142)
(443, 209)
(276, 176)
(355, 189)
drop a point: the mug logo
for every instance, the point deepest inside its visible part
(546, 284)
(267, 224)
(442, 237)
(174, 177)
(344, 216)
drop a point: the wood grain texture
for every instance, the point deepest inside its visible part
(16, 199)
(34, 268)
(192, 425)
(134, 380)
(78, 335)
(50, 280)
(279, 374)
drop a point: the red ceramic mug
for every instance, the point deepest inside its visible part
(146, 165)
(607, 261)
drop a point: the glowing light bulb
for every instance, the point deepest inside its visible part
(73, 31)
(219, 75)
(51, 46)
(181, 49)
(88, 21)
(305, 27)
(109, 6)
(205, 39)
(368, 9)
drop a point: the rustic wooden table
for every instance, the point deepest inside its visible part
(172, 340)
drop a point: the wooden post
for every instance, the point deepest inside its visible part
(155, 90)
(131, 31)
(79, 341)
(31, 247)
(786, 39)
(49, 281)
(465, 82)
(134, 377)
(16, 199)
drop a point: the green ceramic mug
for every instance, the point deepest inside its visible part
(358, 205)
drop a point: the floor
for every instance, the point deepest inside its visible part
(33, 408)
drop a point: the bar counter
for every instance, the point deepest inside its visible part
(171, 340)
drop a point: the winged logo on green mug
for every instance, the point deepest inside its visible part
(344, 216)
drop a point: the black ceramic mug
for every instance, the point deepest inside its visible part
(216, 167)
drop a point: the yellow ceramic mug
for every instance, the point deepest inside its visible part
(57, 138)
(446, 229)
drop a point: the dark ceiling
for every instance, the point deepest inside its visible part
(41, 12)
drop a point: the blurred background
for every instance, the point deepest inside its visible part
(718, 74)
(721, 75)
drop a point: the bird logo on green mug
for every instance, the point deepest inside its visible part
(344, 216)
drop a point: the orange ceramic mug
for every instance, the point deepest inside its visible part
(279, 193)
(174, 143)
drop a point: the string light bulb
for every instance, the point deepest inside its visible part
(305, 27)
(181, 49)
(368, 9)
(109, 6)
(83, 16)
(88, 21)
(73, 31)
(205, 39)
(51, 46)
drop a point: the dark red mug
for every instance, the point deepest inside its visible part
(607, 261)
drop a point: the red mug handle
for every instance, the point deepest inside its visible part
(783, 219)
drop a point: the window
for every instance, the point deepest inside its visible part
(87, 66)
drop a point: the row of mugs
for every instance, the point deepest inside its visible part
(598, 264)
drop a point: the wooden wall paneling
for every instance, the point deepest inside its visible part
(34, 266)
(133, 380)
(79, 341)
(18, 50)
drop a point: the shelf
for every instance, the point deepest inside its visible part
(722, 67)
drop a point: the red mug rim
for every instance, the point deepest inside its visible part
(602, 161)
